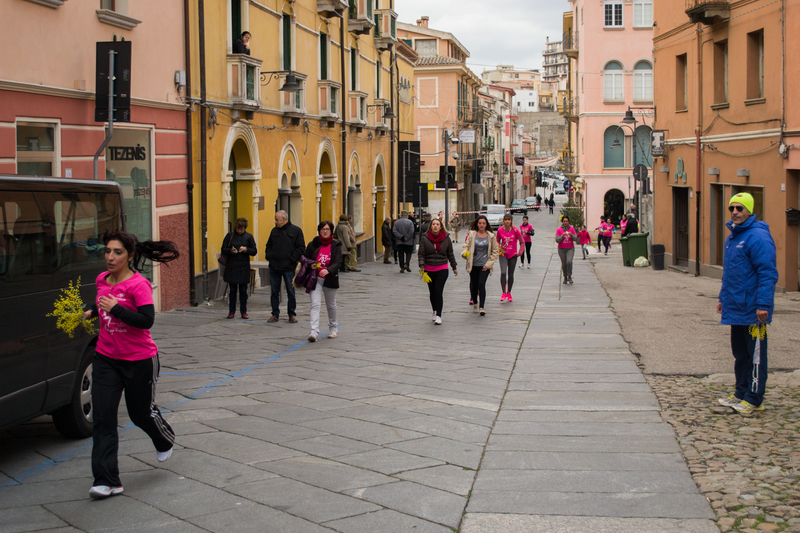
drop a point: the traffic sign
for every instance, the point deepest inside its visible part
(640, 172)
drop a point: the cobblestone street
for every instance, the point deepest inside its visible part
(536, 418)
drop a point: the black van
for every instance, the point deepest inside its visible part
(50, 235)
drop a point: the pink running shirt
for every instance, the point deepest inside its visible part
(509, 240)
(324, 258)
(565, 243)
(117, 339)
(524, 229)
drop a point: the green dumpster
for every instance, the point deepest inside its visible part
(626, 251)
(637, 246)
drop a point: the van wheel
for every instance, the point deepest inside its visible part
(74, 420)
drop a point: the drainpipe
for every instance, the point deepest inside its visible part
(189, 150)
(699, 149)
(203, 148)
(344, 116)
(391, 188)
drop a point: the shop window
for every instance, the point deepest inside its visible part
(36, 149)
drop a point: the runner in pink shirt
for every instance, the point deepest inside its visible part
(126, 358)
(585, 240)
(565, 237)
(527, 232)
(512, 246)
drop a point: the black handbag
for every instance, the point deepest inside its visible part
(223, 259)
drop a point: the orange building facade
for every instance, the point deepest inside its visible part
(723, 94)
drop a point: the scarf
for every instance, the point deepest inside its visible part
(326, 242)
(437, 240)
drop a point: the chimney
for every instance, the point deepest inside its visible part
(423, 22)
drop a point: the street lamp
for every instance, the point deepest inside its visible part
(289, 86)
(387, 110)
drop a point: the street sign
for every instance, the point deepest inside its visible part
(640, 172)
(466, 136)
(658, 143)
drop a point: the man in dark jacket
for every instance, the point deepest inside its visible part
(632, 226)
(746, 301)
(404, 232)
(284, 248)
(386, 240)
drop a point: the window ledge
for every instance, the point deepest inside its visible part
(614, 28)
(755, 101)
(106, 16)
(682, 110)
(614, 102)
(721, 105)
(645, 101)
(55, 4)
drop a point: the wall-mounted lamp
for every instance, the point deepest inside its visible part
(289, 86)
(713, 171)
(387, 110)
(743, 173)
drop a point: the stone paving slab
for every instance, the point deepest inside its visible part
(639, 462)
(615, 443)
(517, 523)
(623, 482)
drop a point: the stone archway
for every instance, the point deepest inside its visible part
(289, 198)
(355, 202)
(379, 200)
(327, 182)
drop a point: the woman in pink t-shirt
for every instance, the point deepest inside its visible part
(512, 246)
(126, 358)
(566, 237)
(527, 232)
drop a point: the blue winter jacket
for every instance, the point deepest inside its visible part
(749, 273)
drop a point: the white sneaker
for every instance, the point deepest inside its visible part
(312, 337)
(98, 492)
(483, 313)
(333, 333)
(529, 267)
(433, 316)
(438, 321)
(163, 456)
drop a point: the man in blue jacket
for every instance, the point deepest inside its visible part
(746, 301)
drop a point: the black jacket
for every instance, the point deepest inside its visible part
(427, 254)
(386, 234)
(237, 269)
(284, 247)
(332, 279)
(238, 47)
(632, 227)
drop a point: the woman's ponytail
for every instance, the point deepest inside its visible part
(139, 252)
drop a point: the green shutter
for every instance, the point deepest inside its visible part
(287, 42)
(236, 20)
(352, 70)
(323, 56)
(250, 80)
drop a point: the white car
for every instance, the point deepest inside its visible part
(494, 214)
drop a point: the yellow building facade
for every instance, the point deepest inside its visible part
(317, 152)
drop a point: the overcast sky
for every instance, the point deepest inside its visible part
(494, 31)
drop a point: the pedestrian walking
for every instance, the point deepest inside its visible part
(403, 231)
(327, 256)
(237, 247)
(126, 358)
(435, 251)
(394, 243)
(512, 246)
(566, 237)
(481, 252)
(344, 236)
(586, 240)
(352, 259)
(386, 239)
(552, 202)
(455, 226)
(746, 301)
(631, 225)
(527, 232)
(284, 248)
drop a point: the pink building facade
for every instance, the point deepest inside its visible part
(47, 112)
(614, 72)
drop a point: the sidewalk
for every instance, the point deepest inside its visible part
(533, 418)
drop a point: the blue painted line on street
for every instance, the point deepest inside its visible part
(47, 465)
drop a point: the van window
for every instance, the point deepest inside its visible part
(26, 248)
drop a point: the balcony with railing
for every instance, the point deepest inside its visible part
(568, 108)
(708, 11)
(244, 90)
(331, 8)
(360, 18)
(385, 28)
(571, 44)
(570, 165)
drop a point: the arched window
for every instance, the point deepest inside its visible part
(612, 81)
(642, 144)
(613, 157)
(643, 81)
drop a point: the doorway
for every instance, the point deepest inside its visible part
(680, 226)
(613, 205)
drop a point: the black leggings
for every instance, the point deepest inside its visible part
(477, 284)
(436, 288)
(527, 252)
(507, 281)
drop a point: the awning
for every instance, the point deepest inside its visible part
(478, 188)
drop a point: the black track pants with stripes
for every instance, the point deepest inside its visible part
(110, 377)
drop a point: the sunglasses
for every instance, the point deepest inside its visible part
(738, 208)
